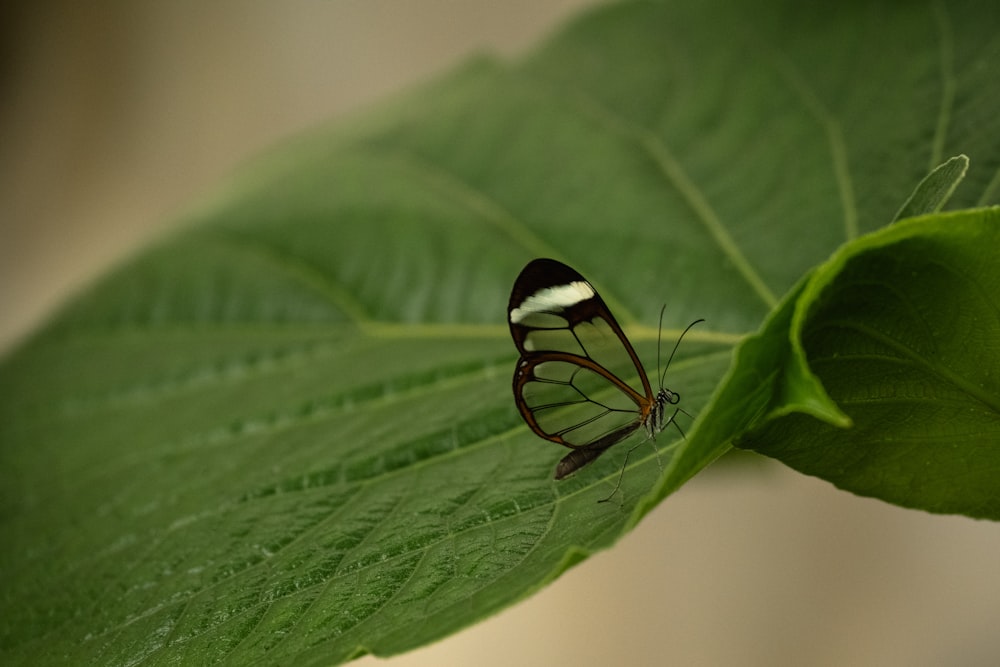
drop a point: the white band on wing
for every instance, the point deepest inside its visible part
(553, 300)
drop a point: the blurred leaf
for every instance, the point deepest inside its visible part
(934, 191)
(286, 434)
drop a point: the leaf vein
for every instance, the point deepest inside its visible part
(948, 83)
(832, 130)
(298, 268)
(677, 177)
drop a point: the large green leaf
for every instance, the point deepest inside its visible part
(286, 434)
(900, 329)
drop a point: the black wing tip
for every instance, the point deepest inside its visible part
(539, 274)
(543, 263)
(546, 272)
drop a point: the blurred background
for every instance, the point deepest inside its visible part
(117, 115)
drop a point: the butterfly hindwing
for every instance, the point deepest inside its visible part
(568, 382)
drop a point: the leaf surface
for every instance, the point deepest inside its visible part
(285, 435)
(901, 331)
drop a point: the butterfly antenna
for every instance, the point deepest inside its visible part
(673, 418)
(676, 345)
(659, 339)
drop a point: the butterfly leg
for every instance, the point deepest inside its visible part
(656, 451)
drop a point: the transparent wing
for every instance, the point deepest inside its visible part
(568, 383)
(572, 401)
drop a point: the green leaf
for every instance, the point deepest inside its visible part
(286, 435)
(902, 328)
(934, 191)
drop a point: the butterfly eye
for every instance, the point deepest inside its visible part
(568, 383)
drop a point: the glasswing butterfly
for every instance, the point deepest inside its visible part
(568, 382)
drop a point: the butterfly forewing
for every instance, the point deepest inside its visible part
(568, 383)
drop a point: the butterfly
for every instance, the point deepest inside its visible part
(568, 383)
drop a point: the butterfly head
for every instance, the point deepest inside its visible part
(665, 396)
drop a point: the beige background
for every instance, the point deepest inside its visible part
(114, 118)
